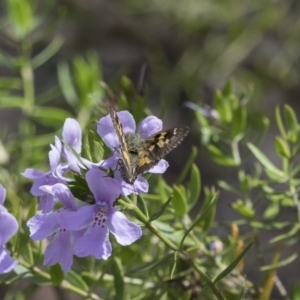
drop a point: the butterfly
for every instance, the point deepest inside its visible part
(138, 155)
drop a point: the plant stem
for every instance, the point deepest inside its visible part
(64, 284)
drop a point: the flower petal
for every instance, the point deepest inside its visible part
(139, 186)
(55, 154)
(126, 232)
(76, 220)
(60, 251)
(7, 263)
(8, 226)
(94, 242)
(149, 126)
(32, 173)
(43, 225)
(105, 189)
(107, 131)
(46, 203)
(72, 134)
(63, 193)
(160, 168)
(2, 194)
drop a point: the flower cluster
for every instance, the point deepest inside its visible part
(8, 227)
(79, 228)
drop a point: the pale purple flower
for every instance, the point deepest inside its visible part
(205, 110)
(61, 246)
(99, 219)
(72, 136)
(148, 127)
(46, 200)
(8, 228)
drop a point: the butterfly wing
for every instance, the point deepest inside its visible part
(158, 145)
(125, 162)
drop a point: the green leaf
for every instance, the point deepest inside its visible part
(239, 121)
(57, 274)
(7, 60)
(66, 84)
(222, 105)
(194, 186)
(50, 116)
(232, 265)
(76, 280)
(187, 165)
(12, 102)
(159, 211)
(265, 161)
(21, 16)
(151, 265)
(10, 83)
(228, 88)
(179, 200)
(271, 211)
(295, 291)
(291, 118)
(281, 263)
(243, 209)
(118, 273)
(48, 52)
(97, 150)
(227, 187)
(199, 219)
(219, 157)
(282, 147)
(163, 190)
(294, 230)
(280, 122)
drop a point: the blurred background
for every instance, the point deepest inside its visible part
(174, 52)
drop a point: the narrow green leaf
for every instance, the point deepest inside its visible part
(118, 273)
(294, 230)
(21, 16)
(187, 165)
(66, 84)
(76, 280)
(280, 122)
(291, 118)
(10, 83)
(151, 265)
(159, 211)
(282, 147)
(232, 265)
(243, 209)
(7, 102)
(7, 60)
(194, 186)
(174, 265)
(281, 263)
(222, 105)
(271, 211)
(227, 187)
(50, 116)
(48, 52)
(179, 200)
(199, 219)
(57, 274)
(228, 88)
(239, 121)
(295, 291)
(142, 205)
(265, 161)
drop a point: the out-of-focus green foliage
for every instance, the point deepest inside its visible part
(182, 254)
